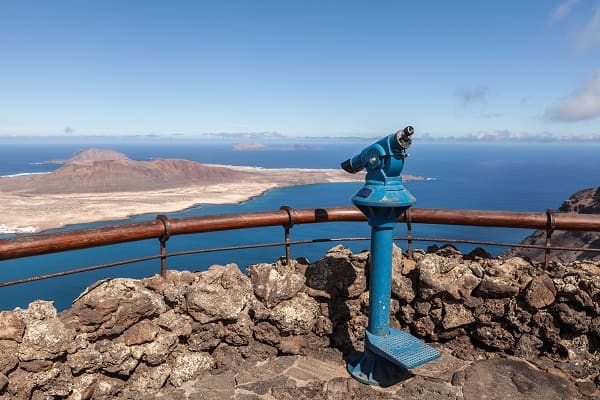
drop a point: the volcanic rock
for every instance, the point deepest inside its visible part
(582, 202)
(541, 292)
(296, 316)
(456, 315)
(115, 305)
(445, 276)
(11, 326)
(9, 359)
(274, 283)
(146, 380)
(339, 273)
(503, 279)
(194, 334)
(219, 293)
(267, 333)
(46, 339)
(189, 365)
(499, 378)
(494, 336)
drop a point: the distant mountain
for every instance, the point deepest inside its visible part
(582, 202)
(98, 171)
(107, 171)
(97, 155)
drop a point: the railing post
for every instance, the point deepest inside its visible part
(409, 244)
(163, 243)
(287, 227)
(549, 230)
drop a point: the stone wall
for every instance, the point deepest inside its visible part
(127, 338)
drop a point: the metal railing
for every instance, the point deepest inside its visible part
(162, 228)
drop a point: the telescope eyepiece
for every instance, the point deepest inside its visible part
(404, 138)
(374, 157)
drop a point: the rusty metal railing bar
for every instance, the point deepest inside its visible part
(164, 254)
(29, 245)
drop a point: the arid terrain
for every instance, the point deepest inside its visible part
(97, 185)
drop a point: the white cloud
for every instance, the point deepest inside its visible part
(472, 94)
(563, 9)
(590, 35)
(582, 104)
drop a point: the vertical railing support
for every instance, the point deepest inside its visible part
(549, 230)
(163, 243)
(287, 227)
(409, 243)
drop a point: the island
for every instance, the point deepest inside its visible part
(101, 185)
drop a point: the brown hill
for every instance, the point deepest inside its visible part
(89, 190)
(107, 171)
(97, 155)
(121, 175)
(582, 202)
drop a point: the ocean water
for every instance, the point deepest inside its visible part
(520, 177)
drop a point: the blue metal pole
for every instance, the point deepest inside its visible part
(380, 279)
(388, 352)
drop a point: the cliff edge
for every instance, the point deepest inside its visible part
(582, 202)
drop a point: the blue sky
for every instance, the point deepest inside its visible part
(314, 68)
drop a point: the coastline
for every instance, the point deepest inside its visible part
(42, 213)
(30, 212)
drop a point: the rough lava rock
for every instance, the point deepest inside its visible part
(499, 379)
(189, 332)
(115, 305)
(585, 201)
(221, 293)
(456, 315)
(445, 276)
(187, 366)
(504, 279)
(541, 292)
(296, 316)
(11, 326)
(274, 283)
(339, 273)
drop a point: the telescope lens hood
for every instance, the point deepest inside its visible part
(347, 166)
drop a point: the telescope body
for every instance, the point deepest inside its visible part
(388, 352)
(383, 161)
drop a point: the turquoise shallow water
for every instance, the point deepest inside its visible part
(526, 177)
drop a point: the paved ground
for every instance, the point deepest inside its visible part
(325, 377)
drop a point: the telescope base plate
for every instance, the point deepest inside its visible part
(401, 348)
(387, 359)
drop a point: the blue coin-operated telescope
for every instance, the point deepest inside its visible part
(388, 352)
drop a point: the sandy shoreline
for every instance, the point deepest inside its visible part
(24, 214)
(27, 212)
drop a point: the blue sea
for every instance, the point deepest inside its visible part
(486, 176)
